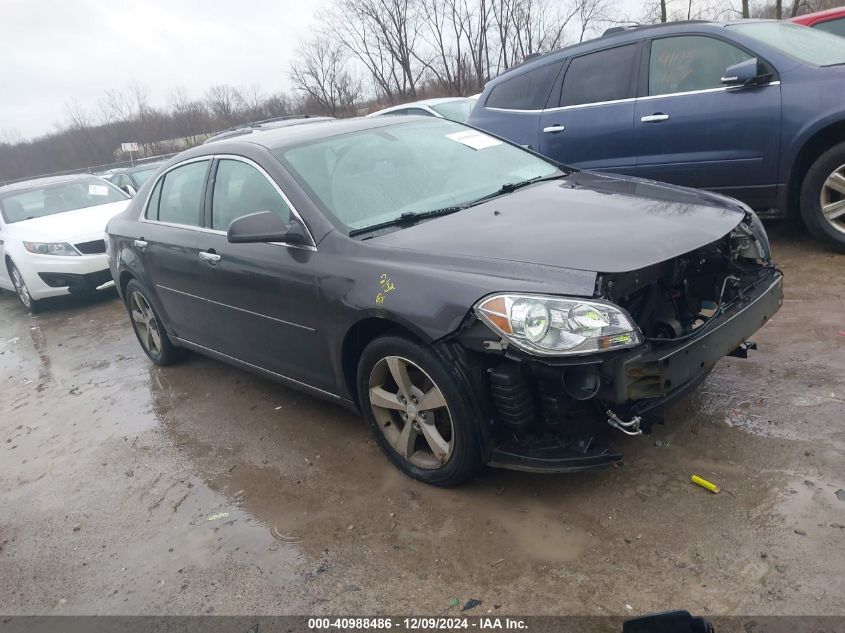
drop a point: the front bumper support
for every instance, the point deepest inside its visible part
(658, 371)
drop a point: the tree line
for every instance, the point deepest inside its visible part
(365, 54)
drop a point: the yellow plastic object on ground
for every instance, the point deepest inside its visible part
(705, 484)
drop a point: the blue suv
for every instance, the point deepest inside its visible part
(752, 109)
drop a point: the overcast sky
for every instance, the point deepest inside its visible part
(54, 50)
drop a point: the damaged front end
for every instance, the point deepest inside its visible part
(553, 368)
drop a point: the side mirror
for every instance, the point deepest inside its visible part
(265, 226)
(746, 73)
(129, 189)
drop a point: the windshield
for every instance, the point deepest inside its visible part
(457, 110)
(142, 175)
(37, 202)
(371, 177)
(809, 45)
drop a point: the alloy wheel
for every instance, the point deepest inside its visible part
(145, 323)
(411, 412)
(832, 199)
(20, 287)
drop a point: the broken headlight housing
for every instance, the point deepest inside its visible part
(557, 326)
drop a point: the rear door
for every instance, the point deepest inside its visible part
(263, 295)
(167, 247)
(693, 131)
(591, 125)
(512, 108)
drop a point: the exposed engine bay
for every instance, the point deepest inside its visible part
(691, 311)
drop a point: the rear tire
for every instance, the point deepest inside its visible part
(32, 306)
(423, 420)
(149, 330)
(823, 198)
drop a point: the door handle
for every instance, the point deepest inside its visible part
(210, 257)
(141, 245)
(654, 118)
(552, 129)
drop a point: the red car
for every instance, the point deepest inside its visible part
(830, 20)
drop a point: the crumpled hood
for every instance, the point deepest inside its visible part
(586, 221)
(70, 226)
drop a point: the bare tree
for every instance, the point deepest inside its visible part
(224, 102)
(10, 136)
(78, 116)
(320, 72)
(189, 117)
(589, 13)
(526, 27)
(382, 35)
(113, 107)
(252, 103)
(278, 105)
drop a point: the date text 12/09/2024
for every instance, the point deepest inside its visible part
(414, 623)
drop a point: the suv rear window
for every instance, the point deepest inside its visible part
(525, 91)
(607, 75)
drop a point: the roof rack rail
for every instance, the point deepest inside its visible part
(613, 30)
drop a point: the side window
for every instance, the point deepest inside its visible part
(603, 76)
(181, 194)
(525, 91)
(152, 205)
(690, 62)
(419, 111)
(837, 27)
(240, 189)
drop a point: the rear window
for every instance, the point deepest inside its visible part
(525, 91)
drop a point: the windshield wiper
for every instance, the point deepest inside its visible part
(412, 217)
(407, 218)
(510, 187)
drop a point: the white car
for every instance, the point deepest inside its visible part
(52, 236)
(452, 108)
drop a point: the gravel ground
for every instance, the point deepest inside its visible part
(131, 489)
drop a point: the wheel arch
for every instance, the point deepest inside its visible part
(814, 146)
(361, 334)
(123, 281)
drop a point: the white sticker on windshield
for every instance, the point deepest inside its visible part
(98, 190)
(473, 139)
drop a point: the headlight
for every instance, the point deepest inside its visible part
(554, 326)
(50, 248)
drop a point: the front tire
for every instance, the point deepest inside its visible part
(418, 411)
(823, 198)
(148, 327)
(32, 306)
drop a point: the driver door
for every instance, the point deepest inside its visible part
(693, 131)
(263, 296)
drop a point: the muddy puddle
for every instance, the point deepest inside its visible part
(199, 488)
